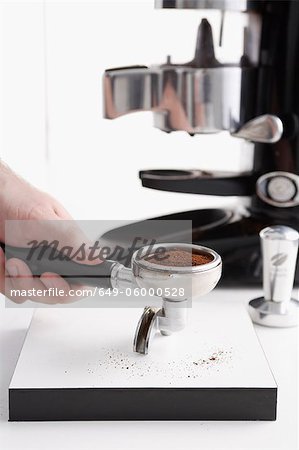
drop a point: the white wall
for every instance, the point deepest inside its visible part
(23, 93)
(54, 56)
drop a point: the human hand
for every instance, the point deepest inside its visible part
(22, 203)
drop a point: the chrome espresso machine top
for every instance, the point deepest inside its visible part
(252, 94)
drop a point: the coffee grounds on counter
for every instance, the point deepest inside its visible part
(179, 258)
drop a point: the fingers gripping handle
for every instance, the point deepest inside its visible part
(48, 259)
(279, 248)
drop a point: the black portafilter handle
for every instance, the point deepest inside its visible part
(48, 259)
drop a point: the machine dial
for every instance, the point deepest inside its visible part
(279, 189)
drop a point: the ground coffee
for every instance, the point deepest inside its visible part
(180, 258)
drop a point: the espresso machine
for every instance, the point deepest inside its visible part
(253, 95)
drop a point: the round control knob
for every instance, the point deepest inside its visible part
(281, 189)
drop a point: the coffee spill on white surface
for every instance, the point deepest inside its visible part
(130, 365)
(81, 349)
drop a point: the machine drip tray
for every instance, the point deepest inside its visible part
(78, 364)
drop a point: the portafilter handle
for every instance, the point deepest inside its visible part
(279, 246)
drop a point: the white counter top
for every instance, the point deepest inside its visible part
(280, 346)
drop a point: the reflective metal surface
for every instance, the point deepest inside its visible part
(167, 320)
(166, 282)
(204, 95)
(279, 248)
(266, 129)
(182, 98)
(176, 285)
(271, 314)
(195, 281)
(129, 89)
(144, 331)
